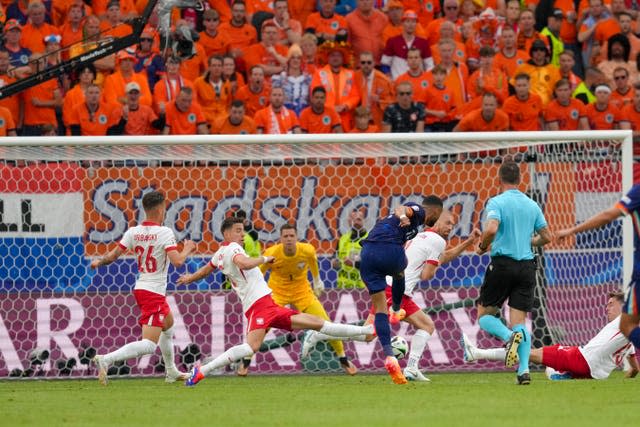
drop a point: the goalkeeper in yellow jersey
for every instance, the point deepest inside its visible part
(290, 285)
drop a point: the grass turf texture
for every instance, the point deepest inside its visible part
(469, 399)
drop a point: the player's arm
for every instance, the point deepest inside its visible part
(177, 258)
(488, 234)
(247, 263)
(596, 221)
(318, 284)
(202, 272)
(108, 258)
(542, 237)
(403, 213)
(456, 251)
(634, 368)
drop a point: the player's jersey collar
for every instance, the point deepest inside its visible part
(150, 223)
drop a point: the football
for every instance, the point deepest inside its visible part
(400, 347)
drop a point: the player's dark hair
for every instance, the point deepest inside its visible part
(510, 173)
(432, 200)
(287, 226)
(240, 213)
(229, 222)
(617, 295)
(152, 200)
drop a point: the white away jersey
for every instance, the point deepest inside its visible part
(606, 350)
(248, 284)
(426, 247)
(150, 242)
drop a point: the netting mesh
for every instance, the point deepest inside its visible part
(61, 205)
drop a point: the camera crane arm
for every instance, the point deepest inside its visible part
(107, 48)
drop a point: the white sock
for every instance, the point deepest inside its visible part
(131, 350)
(233, 354)
(339, 330)
(498, 353)
(418, 343)
(166, 347)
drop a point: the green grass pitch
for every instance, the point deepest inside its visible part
(468, 399)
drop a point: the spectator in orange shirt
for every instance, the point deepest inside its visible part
(626, 29)
(447, 32)
(488, 78)
(527, 33)
(602, 115)
(567, 63)
(509, 58)
(168, 87)
(213, 94)
(7, 125)
(113, 24)
(623, 93)
(115, 83)
(376, 90)
(339, 82)
(365, 25)
(419, 78)
(193, 67)
(71, 29)
(438, 104)
(394, 11)
(36, 29)
(451, 10)
(240, 32)
(309, 46)
(486, 119)
(318, 117)
(325, 23)
(92, 117)
(184, 117)
(91, 40)
(76, 95)
(134, 118)
(255, 94)
(457, 72)
(128, 7)
(271, 56)
(235, 123)
(564, 112)
(289, 30)
(41, 102)
(229, 73)
(212, 40)
(525, 107)
(362, 119)
(14, 102)
(276, 118)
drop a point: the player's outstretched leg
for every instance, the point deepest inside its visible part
(233, 354)
(418, 344)
(473, 353)
(128, 351)
(396, 314)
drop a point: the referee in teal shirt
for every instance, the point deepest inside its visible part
(514, 223)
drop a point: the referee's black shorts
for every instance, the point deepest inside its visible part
(508, 279)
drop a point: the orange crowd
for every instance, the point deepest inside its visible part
(323, 66)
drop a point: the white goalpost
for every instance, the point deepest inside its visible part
(66, 200)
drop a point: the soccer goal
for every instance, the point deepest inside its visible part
(66, 200)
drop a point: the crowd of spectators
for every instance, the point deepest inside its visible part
(322, 66)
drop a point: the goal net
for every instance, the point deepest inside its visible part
(65, 201)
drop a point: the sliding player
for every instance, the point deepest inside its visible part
(594, 360)
(259, 308)
(153, 244)
(424, 254)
